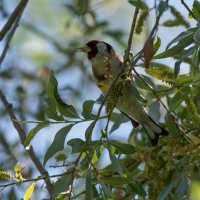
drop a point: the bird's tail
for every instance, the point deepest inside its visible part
(153, 131)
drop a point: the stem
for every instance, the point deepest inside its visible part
(22, 136)
(20, 7)
(188, 9)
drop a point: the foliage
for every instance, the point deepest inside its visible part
(94, 164)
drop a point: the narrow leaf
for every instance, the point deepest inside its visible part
(29, 191)
(186, 54)
(197, 36)
(107, 190)
(115, 163)
(52, 92)
(88, 185)
(76, 144)
(62, 185)
(157, 45)
(87, 109)
(88, 132)
(177, 49)
(166, 191)
(182, 35)
(34, 131)
(58, 142)
(123, 147)
(118, 180)
(175, 102)
(141, 5)
(172, 127)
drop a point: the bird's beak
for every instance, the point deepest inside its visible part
(84, 49)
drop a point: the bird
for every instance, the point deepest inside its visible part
(106, 65)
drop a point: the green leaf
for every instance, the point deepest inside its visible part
(118, 119)
(16, 167)
(157, 45)
(185, 78)
(172, 127)
(162, 6)
(117, 180)
(51, 110)
(115, 163)
(29, 191)
(123, 147)
(170, 52)
(52, 92)
(182, 36)
(197, 36)
(186, 54)
(161, 72)
(177, 68)
(196, 10)
(179, 19)
(88, 185)
(171, 23)
(140, 21)
(167, 190)
(58, 142)
(177, 49)
(88, 132)
(181, 188)
(76, 144)
(141, 5)
(68, 111)
(61, 185)
(34, 131)
(195, 61)
(106, 189)
(137, 188)
(87, 109)
(175, 102)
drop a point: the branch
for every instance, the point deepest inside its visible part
(22, 136)
(188, 9)
(9, 38)
(14, 24)
(42, 177)
(20, 7)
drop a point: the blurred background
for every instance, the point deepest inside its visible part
(47, 38)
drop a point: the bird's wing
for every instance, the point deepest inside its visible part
(134, 123)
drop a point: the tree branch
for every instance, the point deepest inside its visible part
(22, 136)
(9, 38)
(188, 9)
(20, 7)
(42, 177)
(12, 22)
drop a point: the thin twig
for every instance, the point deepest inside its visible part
(22, 136)
(42, 177)
(188, 9)
(9, 38)
(63, 165)
(20, 7)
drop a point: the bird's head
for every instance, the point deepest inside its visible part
(95, 48)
